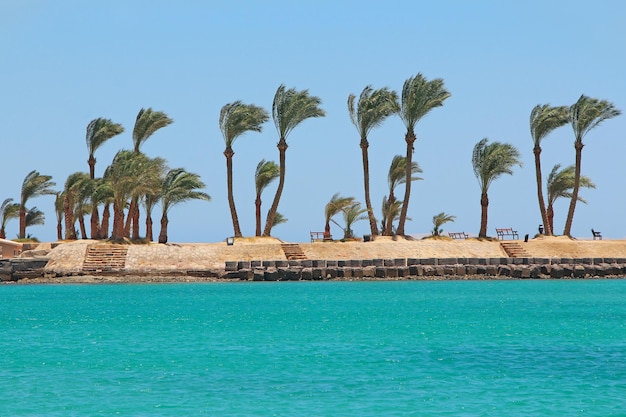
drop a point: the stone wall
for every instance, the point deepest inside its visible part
(18, 268)
(430, 268)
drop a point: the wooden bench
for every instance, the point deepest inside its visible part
(502, 233)
(317, 236)
(596, 235)
(458, 235)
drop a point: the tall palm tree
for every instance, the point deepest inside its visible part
(266, 172)
(336, 205)
(439, 220)
(490, 161)
(543, 120)
(99, 131)
(289, 109)
(34, 185)
(8, 211)
(419, 97)
(584, 115)
(179, 186)
(147, 123)
(352, 214)
(58, 210)
(395, 177)
(560, 184)
(236, 119)
(373, 107)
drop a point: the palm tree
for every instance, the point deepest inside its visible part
(391, 213)
(58, 210)
(74, 199)
(289, 109)
(439, 220)
(419, 97)
(560, 184)
(336, 205)
(130, 174)
(34, 185)
(543, 120)
(179, 186)
(279, 219)
(395, 177)
(352, 214)
(8, 211)
(266, 172)
(147, 123)
(489, 162)
(373, 107)
(235, 120)
(99, 131)
(584, 115)
(35, 217)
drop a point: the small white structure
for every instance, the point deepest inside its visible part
(9, 249)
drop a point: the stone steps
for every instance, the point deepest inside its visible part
(105, 258)
(293, 251)
(514, 250)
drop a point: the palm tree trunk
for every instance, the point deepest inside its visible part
(135, 223)
(228, 153)
(163, 232)
(269, 222)
(410, 139)
(59, 231)
(129, 218)
(104, 226)
(92, 167)
(578, 145)
(257, 204)
(149, 227)
(547, 228)
(366, 184)
(3, 234)
(83, 229)
(484, 205)
(68, 214)
(22, 234)
(550, 216)
(118, 222)
(95, 222)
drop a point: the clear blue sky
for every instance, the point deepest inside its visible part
(67, 62)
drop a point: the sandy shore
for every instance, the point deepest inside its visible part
(172, 262)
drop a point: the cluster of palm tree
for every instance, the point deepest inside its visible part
(133, 179)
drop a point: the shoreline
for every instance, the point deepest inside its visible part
(269, 259)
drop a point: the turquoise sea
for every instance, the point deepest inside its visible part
(434, 348)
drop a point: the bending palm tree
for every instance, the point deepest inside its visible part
(584, 115)
(373, 107)
(266, 172)
(336, 205)
(289, 109)
(543, 120)
(34, 185)
(419, 97)
(560, 184)
(179, 186)
(395, 177)
(146, 124)
(235, 120)
(35, 217)
(489, 162)
(99, 131)
(439, 220)
(8, 211)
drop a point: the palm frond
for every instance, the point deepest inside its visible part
(266, 172)
(372, 108)
(419, 96)
(148, 121)
(36, 185)
(238, 118)
(544, 119)
(588, 113)
(99, 131)
(291, 107)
